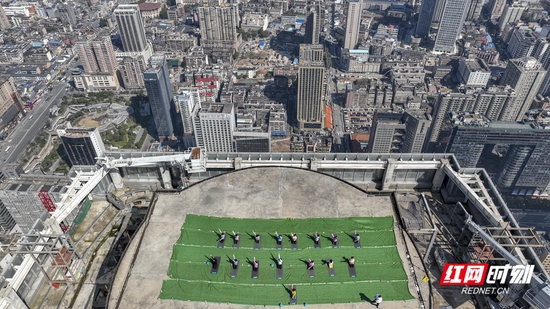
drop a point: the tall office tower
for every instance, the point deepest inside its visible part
(7, 223)
(438, 11)
(29, 197)
(525, 162)
(66, 14)
(131, 27)
(449, 102)
(425, 18)
(353, 24)
(521, 43)
(97, 56)
(541, 52)
(311, 84)
(398, 132)
(161, 98)
(511, 14)
(10, 101)
(218, 26)
(4, 22)
(186, 102)
(82, 145)
(452, 19)
(132, 73)
(491, 102)
(525, 76)
(474, 72)
(496, 7)
(313, 24)
(474, 10)
(214, 124)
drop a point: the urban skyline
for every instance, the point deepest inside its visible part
(120, 121)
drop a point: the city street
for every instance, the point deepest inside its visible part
(540, 219)
(28, 128)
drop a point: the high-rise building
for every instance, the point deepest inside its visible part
(97, 56)
(474, 72)
(82, 145)
(452, 19)
(474, 10)
(438, 11)
(214, 124)
(186, 103)
(252, 141)
(353, 23)
(28, 198)
(161, 98)
(398, 132)
(511, 14)
(131, 27)
(10, 101)
(132, 73)
(493, 102)
(496, 7)
(522, 43)
(313, 24)
(66, 14)
(524, 165)
(541, 52)
(218, 26)
(525, 76)
(424, 23)
(4, 22)
(311, 75)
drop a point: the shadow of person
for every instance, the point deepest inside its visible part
(365, 298)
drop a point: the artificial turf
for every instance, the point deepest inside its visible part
(378, 266)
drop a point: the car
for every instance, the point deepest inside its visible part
(31, 117)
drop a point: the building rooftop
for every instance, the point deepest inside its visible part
(217, 108)
(282, 193)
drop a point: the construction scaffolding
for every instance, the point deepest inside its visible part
(55, 254)
(479, 251)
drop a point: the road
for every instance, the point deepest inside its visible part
(540, 219)
(28, 128)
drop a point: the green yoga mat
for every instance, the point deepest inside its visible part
(378, 266)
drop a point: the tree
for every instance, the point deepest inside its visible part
(103, 23)
(235, 55)
(163, 13)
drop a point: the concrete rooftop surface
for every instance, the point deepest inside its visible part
(249, 193)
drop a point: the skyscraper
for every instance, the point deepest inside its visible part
(511, 14)
(218, 26)
(10, 101)
(82, 145)
(131, 71)
(524, 166)
(130, 27)
(398, 132)
(425, 17)
(311, 73)
(313, 24)
(66, 13)
(474, 9)
(525, 76)
(4, 22)
(97, 56)
(452, 19)
(161, 98)
(214, 124)
(186, 102)
(496, 7)
(353, 23)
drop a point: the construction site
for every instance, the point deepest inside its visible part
(118, 256)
